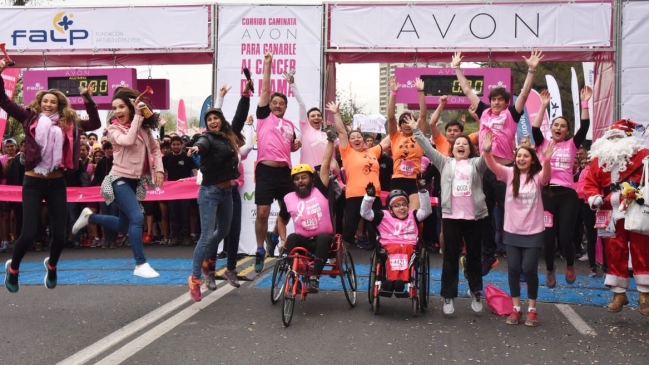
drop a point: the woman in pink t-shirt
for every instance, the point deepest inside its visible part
(523, 229)
(560, 199)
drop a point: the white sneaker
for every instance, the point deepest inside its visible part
(476, 304)
(583, 258)
(82, 221)
(448, 306)
(145, 271)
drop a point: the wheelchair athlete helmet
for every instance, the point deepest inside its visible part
(396, 195)
(300, 168)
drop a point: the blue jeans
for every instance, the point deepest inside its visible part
(215, 211)
(131, 218)
(113, 210)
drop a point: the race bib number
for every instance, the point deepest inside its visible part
(602, 218)
(461, 188)
(310, 223)
(398, 261)
(407, 168)
(548, 219)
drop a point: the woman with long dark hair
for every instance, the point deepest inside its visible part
(51, 129)
(218, 148)
(136, 161)
(523, 229)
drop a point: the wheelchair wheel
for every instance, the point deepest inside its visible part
(277, 284)
(347, 276)
(375, 305)
(415, 307)
(424, 280)
(289, 299)
(372, 279)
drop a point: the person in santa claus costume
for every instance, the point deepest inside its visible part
(618, 157)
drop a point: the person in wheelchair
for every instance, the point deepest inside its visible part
(398, 229)
(308, 205)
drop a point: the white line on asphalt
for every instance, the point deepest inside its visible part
(112, 339)
(576, 321)
(158, 331)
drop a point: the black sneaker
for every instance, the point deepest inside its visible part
(488, 264)
(50, 275)
(222, 255)
(272, 241)
(11, 280)
(314, 285)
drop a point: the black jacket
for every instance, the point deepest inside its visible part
(219, 159)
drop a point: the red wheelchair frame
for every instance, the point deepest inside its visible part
(290, 280)
(419, 281)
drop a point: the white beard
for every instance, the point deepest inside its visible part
(614, 152)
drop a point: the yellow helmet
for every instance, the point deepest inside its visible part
(303, 167)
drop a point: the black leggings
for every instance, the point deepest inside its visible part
(318, 245)
(454, 231)
(523, 260)
(562, 204)
(353, 216)
(35, 190)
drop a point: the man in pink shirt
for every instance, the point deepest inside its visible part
(275, 142)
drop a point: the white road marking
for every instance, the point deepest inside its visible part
(576, 321)
(112, 339)
(158, 331)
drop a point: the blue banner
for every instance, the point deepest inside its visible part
(206, 105)
(524, 126)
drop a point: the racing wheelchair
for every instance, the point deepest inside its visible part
(400, 275)
(292, 271)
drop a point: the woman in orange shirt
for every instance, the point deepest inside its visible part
(406, 153)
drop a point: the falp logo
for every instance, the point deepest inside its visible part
(63, 32)
(36, 87)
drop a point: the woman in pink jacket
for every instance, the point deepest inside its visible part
(136, 160)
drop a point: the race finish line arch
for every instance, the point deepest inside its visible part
(313, 38)
(482, 31)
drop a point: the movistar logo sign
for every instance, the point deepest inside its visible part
(62, 32)
(247, 196)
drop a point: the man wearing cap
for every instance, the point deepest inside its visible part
(309, 208)
(618, 157)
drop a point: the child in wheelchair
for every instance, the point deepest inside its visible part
(399, 234)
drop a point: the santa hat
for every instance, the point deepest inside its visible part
(621, 128)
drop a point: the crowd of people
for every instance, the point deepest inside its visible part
(496, 197)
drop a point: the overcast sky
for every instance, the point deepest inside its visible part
(195, 86)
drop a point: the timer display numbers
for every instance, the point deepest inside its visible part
(70, 85)
(439, 85)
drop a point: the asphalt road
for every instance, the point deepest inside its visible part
(103, 321)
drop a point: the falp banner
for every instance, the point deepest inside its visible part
(524, 126)
(589, 79)
(10, 78)
(181, 126)
(105, 28)
(556, 109)
(574, 90)
(533, 104)
(246, 33)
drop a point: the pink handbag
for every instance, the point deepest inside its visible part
(499, 301)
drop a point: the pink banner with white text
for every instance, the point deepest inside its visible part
(170, 190)
(10, 77)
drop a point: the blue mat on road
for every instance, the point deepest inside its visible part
(586, 290)
(107, 272)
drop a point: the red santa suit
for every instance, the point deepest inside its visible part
(598, 186)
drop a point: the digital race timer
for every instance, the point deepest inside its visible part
(70, 85)
(438, 85)
(443, 81)
(68, 81)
